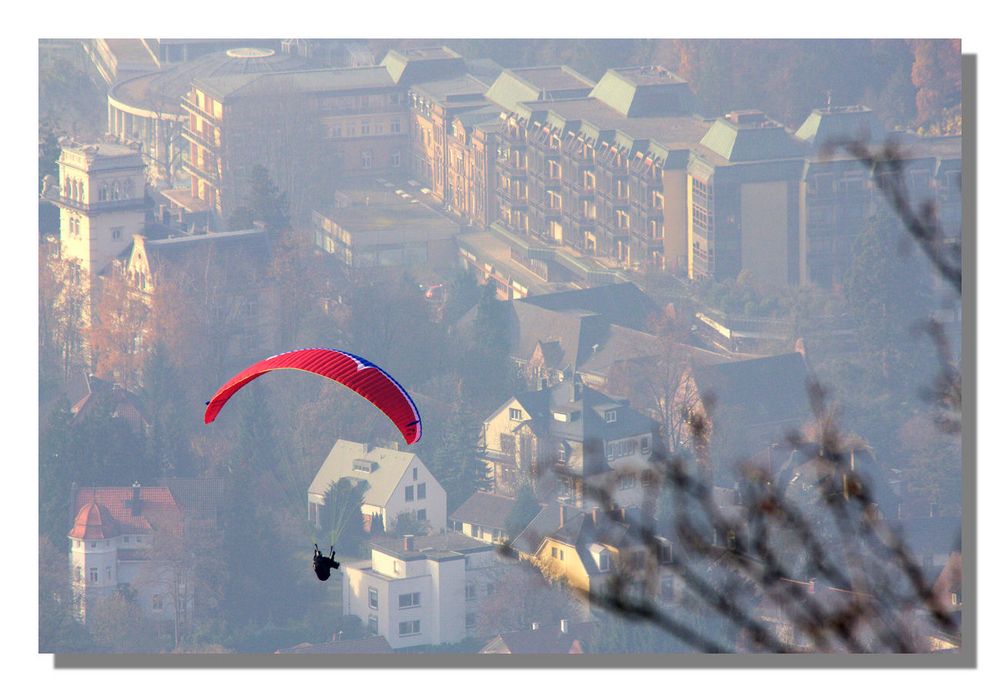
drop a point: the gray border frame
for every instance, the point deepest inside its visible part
(966, 657)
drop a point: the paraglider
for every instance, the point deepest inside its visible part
(322, 564)
(354, 372)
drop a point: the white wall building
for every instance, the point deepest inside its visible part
(112, 545)
(422, 590)
(397, 483)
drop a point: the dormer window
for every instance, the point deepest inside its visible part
(514, 413)
(610, 416)
(604, 561)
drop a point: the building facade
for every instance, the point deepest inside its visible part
(423, 590)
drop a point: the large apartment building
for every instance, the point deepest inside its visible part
(604, 173)
(310, 128)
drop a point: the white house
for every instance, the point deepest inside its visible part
(397, 483)
(422, 590)
(113, 544)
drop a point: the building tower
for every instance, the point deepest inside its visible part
(93, 556)
(102, 204)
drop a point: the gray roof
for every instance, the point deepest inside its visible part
(382, 480)
(544, 83)
(415, 65)
(484, 509)
(832, 124)
(742, 142)
(646, 92)
(759, 390)
(622, 303)
(298, 81)
(543, 525)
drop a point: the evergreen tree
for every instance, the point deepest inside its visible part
(171, 421)
(457, 459)
(889, 293)
(54, 478)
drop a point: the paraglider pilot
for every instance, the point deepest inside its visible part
(323, 564)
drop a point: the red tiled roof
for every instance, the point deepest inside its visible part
(157, 508)
(93, 522)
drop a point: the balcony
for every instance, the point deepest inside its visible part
(199, 138)
(201, 173)
(94, 207)
(191, 107)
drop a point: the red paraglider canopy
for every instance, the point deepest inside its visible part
(354, 372)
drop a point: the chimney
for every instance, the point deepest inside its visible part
(564, 626)
(534, 627)
(408, 542)
(562, 515)
(812, 586)
(594, 515)
(136, 502)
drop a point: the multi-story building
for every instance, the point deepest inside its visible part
(373, 226)
(102, 204)
(604, 174)
(394, 483)
(787, 208)
(433, 108)
(147, 108)
(113, 543)
(309, 128)
(743, 183)
(422, 590)
(568, 441)
(472, 145)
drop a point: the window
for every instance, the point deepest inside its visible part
(409, 628)
(409, 600)
(491, 588)
(335, 130)
(365, 127)
(414, 473)
(397, 159)
(116, 233)
(93, 544)
(604, 562)
(555, 552)
(372, 624)
(125, 539)
(610, 416)
(644, 444)
(470, 621)
(408, 493)
(421, 515)
(470, 592)
(514, 413)
(373, 598)
(394, 126)
(366, 159)
(93, 575)
(421, 489)
(157, 602)
(107, 574)
(626, 481)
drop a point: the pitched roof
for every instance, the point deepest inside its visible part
(371, 645)
(156, 510)
(749, 136)
(253, 245)
(544, 524)
(545, 640)
(485, 509)
(119, 402)
(646, 91)
(624, 304)
(839, 123)
(931, 535)
(202, 496)
(518, 85)
(94, 522)
(384, 475)
(763, 390)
